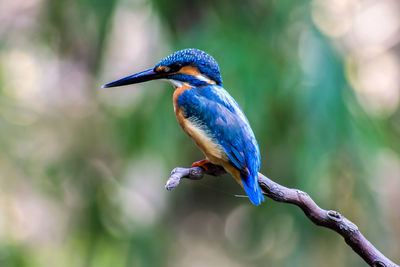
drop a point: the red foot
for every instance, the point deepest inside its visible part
(201, 164)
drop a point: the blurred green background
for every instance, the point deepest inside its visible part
(82, 169)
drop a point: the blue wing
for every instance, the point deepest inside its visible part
(217, 112)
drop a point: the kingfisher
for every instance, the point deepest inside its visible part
(209, 115)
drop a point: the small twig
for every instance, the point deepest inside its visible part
(326, 218)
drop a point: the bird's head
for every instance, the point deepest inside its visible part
(188, 66)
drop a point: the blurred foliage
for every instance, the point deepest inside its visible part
(82, 169)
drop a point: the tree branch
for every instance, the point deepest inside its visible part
(326, 218)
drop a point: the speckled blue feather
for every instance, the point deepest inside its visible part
(212, 108)
(194, 57)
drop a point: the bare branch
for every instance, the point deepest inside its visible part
(326, 218)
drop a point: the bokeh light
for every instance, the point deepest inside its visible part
(83, 168)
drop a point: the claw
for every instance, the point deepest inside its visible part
(172, 183)
(201, 163)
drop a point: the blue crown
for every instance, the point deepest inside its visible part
(205, 63)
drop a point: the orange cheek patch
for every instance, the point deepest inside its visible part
(189, 70)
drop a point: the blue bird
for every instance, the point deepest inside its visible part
(209, 115)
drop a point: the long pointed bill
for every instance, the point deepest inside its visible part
(140, 77)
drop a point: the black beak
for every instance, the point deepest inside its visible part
(140, 77)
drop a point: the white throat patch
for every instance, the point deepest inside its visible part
(204, 78)
(176, 83)
(200, 77)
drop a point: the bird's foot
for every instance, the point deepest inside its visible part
(202, 164)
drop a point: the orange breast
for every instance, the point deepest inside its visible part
(179, 112)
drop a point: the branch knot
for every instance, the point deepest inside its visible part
(334, 215)
(378, 263)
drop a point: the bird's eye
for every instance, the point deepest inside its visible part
(174, 67)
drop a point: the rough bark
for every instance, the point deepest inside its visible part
(326, 218)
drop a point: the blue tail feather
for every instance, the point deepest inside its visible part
(252, 188)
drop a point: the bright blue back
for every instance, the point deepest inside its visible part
(213, 109)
